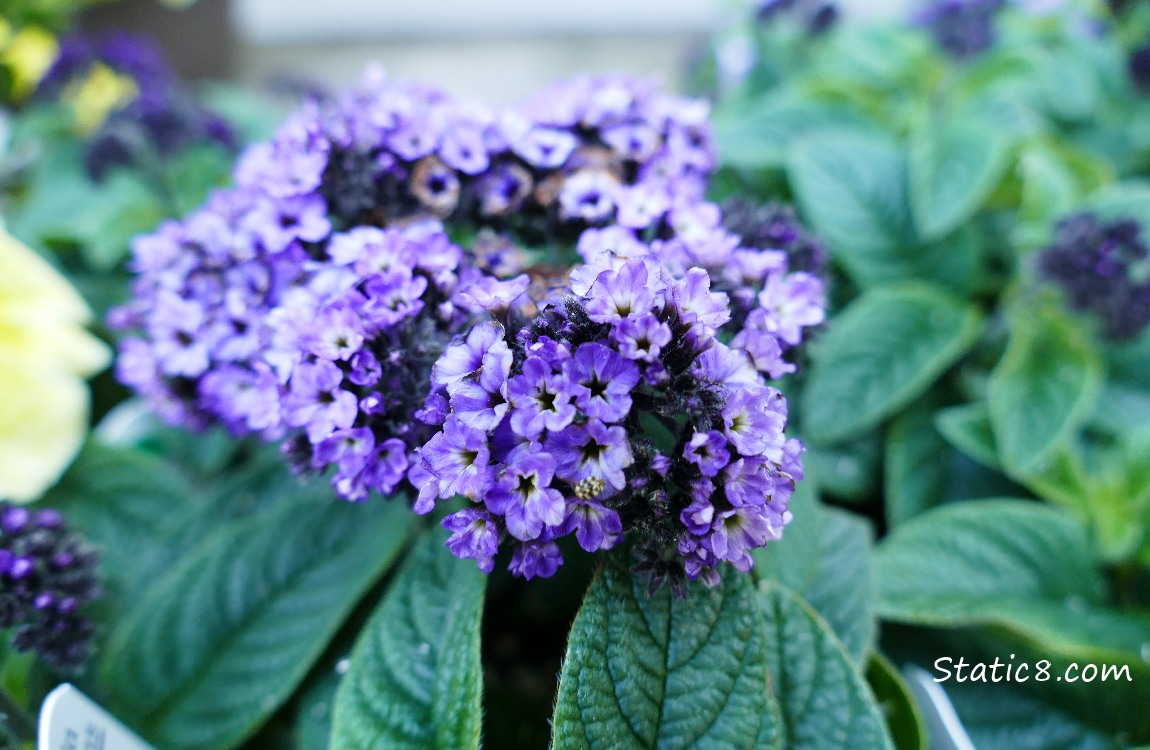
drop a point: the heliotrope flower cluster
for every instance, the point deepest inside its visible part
(309, 302)
(616, 409)
(136, 107)
(47, 577)
(1104, 268)
(962, 28)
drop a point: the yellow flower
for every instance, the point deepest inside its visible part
(28, 55)
(45, 356)
(102, 91)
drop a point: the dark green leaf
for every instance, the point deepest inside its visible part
(968, 428)
(848, 471)
(884, 350)
(1041, 390)
(1024, 569)
(897, 705)
(826, 704)
(915, 469)
(415, 680)
(1003, 715)
(954, 166)
(654, 671)
(220, 640)
(969, 562)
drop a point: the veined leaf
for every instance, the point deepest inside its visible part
(415, 680)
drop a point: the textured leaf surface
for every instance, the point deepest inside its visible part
(826, 703)
(953, 167)
(915, 466)
(224, 637)
(659, 672)
(415, 679)
(1041, 390)
(883, 351)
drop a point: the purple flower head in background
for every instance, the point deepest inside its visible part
(160, 120)
(47, 579)
(961, 28)
(1104, 268)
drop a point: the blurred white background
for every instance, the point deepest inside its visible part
(497, 50)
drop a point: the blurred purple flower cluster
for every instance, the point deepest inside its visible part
(47, 579)
(379, 231)
(162, 118)
(1103, 267)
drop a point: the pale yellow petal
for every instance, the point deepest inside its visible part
(30, 288)
(43, 419)
(66, 348)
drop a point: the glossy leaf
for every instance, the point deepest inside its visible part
(249, 611)
(415, 680)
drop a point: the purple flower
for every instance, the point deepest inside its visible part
(592, 451)
(466, 357)
(697, 304)
(620, 294)
(473, 534)
(601, 381)
(524, 498)
(536, 559)
(596, 526)
(641, 338)
(316, 401)
(48, 577)
(542, 399)
(589, 195)
(336, 335)
(458, 459)
(708, 451)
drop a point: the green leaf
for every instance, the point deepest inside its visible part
(220, 640)
(848, 471)
(759, 133)
(826, 704)
(954, 166)
(647, 671)
(127, 502)
(1124, 200)
(852, 187)
(884, 350)
(415, 680)
(1041, 390)
(1003, 715)
(915, 469)
(824, 556)
(968, 428)
(971, 562)
(1022, 569)
(906, 725)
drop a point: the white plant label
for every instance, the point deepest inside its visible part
(70, 720)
